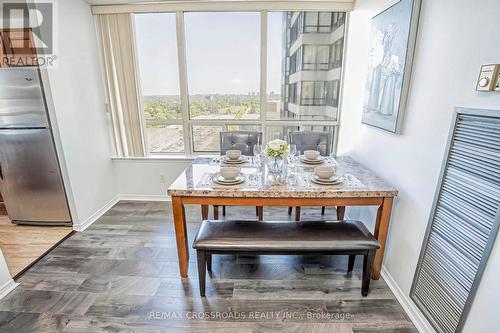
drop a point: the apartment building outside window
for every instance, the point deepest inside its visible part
(317, 45)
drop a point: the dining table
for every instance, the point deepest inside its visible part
(292, 187)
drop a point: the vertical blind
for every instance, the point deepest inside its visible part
(464, 221)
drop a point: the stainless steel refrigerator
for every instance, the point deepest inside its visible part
(30, 175)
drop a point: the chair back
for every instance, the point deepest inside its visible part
(239, 140)
(320, 141)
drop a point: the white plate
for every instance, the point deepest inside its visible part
(335, 180)
(332, 179)
(218, 179)
(305, 160)
(228, 161)
(221, 179)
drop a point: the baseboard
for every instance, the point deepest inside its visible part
(144, 197)
(94, 217)
(7, 287)
(410, 308)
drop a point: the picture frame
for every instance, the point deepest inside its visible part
(392, 45)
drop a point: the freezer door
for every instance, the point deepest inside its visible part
(21, 99)
(30, 179)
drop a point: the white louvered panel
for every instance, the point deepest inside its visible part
(473, 233)
(490, 157)
(446, 273)
(464, 211)
(465, 214)
(471, 133)
(455, 259)
(484, 204)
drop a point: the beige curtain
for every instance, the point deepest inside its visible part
(117, 42)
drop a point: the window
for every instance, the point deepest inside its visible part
(206, 138)
(316, 57)
(217, 84)
(323, 57)
(165, 138)
(324, 22)
(318, 22)
(293, 93)
(338, 19)
(336, 54)
(309, 62)
(332, 93)
(159, 77)
(313, 93)
(310, 22)
(222, 57)
(293, 62)
(312, 64)
(283, 132)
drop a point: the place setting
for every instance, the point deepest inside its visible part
(233, 157)
(229, 176)
(326, 175)
(312, 157)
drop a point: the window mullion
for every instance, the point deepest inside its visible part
(340, 93)
(183, 84)
(263, 71)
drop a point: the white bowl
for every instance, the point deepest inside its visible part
(324, 172)
(311, 154)
(229, 173)
(233, 154)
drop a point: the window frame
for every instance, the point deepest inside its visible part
(263, 122)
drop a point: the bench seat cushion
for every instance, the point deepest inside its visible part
(284, 236)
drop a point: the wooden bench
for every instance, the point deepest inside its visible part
(282, 238)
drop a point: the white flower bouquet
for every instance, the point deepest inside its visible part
(276, 148)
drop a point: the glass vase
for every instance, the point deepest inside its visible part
(275, 164)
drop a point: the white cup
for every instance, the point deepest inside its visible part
(325, 172)
(229, 173)
(233, 154)
(311, 154)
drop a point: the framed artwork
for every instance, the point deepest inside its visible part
(392, 43)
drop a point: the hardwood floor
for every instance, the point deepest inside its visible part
(22, 245)
(121, 275)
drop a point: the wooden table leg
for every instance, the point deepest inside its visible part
(260, 213)
(204, 212)
(340, 212)
(216, 212)
(297, 214)
(181, 235)
(381, 229)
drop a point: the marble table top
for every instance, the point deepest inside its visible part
(196, 181)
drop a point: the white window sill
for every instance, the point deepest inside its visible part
(159, 158)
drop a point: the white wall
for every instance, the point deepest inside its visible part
(147, 179)
(6, 282)
(82, 121)
(455, 38)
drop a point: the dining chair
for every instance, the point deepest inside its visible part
(243, 141)
(308, 140)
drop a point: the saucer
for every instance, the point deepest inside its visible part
(218, 179)
(319, 160)
(226, 160)
(335, 180)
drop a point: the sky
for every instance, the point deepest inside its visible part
(222, 52)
